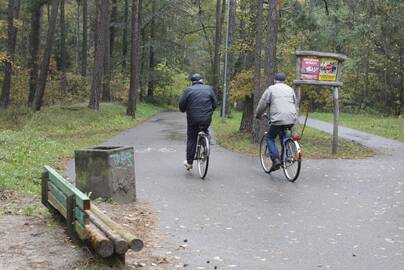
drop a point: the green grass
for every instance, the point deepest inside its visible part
(314, 144)
(30, 140)
(389, 127)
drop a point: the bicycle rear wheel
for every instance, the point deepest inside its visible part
(291, 160)
(265, 159)
(203, 156)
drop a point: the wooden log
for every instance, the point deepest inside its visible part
(134, 243)
(99, 242)
(318, 83)
(336, 121)
(340, 57)
(80, 230)
(120, 245)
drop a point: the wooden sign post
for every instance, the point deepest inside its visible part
(324, 70)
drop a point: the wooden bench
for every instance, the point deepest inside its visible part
(84, 219)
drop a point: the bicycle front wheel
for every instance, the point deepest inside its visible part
(265, 159)
(203, 157)
(292, 160)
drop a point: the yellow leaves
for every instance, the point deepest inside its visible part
(242, 86)
(174, 82)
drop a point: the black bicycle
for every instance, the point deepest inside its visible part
(202, 153)
(291, 155)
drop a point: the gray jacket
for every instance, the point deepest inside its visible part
(281, 100)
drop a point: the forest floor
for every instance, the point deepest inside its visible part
(34, 239)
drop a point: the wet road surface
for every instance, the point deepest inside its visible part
(339, 214)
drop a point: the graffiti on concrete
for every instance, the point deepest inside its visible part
(122, 159)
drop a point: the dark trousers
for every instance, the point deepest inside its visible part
(192, 137)
(273, 132)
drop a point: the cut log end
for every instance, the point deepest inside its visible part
(121, 246)
(104, 248)
(136, 244)
(99, 242)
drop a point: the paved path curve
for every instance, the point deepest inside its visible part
(366, 139)
(340, 214)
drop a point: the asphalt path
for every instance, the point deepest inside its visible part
(339, 214)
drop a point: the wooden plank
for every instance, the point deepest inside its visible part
(336, 121)
(55, 203)
(80, 230)
(44, 190)
(58, 194)
(82, 200)
(340, 57)
(81, 216)
(318, 83)
(70, 205)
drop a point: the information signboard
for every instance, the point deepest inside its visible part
(310, 68)
(320, 69)
(328, 69)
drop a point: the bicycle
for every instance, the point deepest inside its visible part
(202, 153)
(291, 155)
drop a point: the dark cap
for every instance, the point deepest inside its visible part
(196, 77)
(280, 77)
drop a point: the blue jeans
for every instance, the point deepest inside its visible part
(273, 132)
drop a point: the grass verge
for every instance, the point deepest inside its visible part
(315, 144)
(389, 127)
(30, 140)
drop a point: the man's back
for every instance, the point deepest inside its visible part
(199, 101)
(281, 100)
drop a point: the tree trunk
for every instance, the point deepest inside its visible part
(230, 57)
(62, 45)
(77, 38)
(125, 35)
(106, 89)
(84, 49)
(150, 88)
(112, 27)
(13, 10)
(248, 112)
(218, 40)
(101, 25)
(135, 58)
(43, 72)
(272, 40)
(34, 41)
(257, 68)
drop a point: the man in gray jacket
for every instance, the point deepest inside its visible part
(281, 100)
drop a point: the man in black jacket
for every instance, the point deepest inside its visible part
(199, 102)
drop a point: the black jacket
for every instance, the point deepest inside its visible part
(199, 102)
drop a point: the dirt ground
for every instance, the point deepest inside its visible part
(31, 238)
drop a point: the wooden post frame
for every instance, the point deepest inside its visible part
(324, 70)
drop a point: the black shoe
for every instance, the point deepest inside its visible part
(276, 165)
